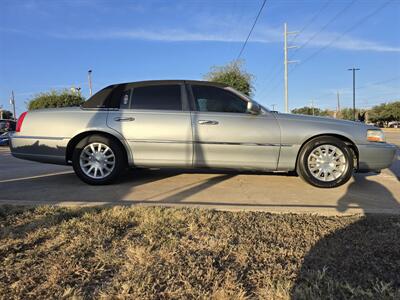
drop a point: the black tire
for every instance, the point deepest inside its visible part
(120, 160)
(306, 174)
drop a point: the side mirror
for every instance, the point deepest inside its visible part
(253, 108)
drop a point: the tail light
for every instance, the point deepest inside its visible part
(20, 120)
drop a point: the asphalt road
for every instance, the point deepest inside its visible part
(24, 182)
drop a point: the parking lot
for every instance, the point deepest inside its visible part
(25, 182)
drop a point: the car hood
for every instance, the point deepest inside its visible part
(322, 120)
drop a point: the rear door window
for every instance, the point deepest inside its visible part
(99, 100)
(125, 100)
(157, 97)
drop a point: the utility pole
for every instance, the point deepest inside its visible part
(90, 82)
(12, 102)
(354, 91)
(273, 107)
(286, 62)
(312, 107)
(338, 104)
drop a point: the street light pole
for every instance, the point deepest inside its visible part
(312, 107)
(354, 91)
(13, 104)
(90, 82)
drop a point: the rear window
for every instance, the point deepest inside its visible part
(160, 97)
(99, 100)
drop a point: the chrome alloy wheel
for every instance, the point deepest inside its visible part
(97, 160)
(327, 163)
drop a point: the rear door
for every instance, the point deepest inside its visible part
(156, 123)
(227, 136)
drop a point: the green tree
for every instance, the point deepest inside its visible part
(63, 98)
(6, 114)
(233, 75)
(385, 112)
(347, 113)
(306, 110)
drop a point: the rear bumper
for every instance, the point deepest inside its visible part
(375, 156)
(42, 149)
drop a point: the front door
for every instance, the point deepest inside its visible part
(154, 123)
(227, 136)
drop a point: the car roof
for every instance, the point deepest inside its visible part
(104, 97)
(172, 81)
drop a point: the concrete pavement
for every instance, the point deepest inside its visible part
(23, 182)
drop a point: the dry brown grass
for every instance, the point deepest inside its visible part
(149, 253)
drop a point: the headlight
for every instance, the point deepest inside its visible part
(375, 135)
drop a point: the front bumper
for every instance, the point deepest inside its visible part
(375, 156)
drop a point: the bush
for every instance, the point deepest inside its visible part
(232, 75)
(63, 98)
(306, 110)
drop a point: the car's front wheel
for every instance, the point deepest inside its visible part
(325, 162)
(98, 160)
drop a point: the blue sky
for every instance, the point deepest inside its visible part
(51, 44)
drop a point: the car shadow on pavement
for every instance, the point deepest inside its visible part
(65, 186)
(395, 166)
(351, 261)
(60, 188)
(173, 186)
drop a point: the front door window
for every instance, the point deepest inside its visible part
(214, 99)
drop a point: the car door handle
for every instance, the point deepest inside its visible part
(118, 119)
(208, 122)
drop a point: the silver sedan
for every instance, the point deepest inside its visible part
(195, 124)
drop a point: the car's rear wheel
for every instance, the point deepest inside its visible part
(325, 162)
(98, 160)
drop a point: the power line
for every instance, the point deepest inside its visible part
(347, 90)
(365, 102)
(335, 39)
(345, 32)
(251, 30)
(275, 69)
(313, 18)
(278, 83)
(342, 11)
(378, 82)
(362, 99)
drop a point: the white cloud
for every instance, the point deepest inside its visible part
(268, 35)
(166, 35)
(347, 42)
